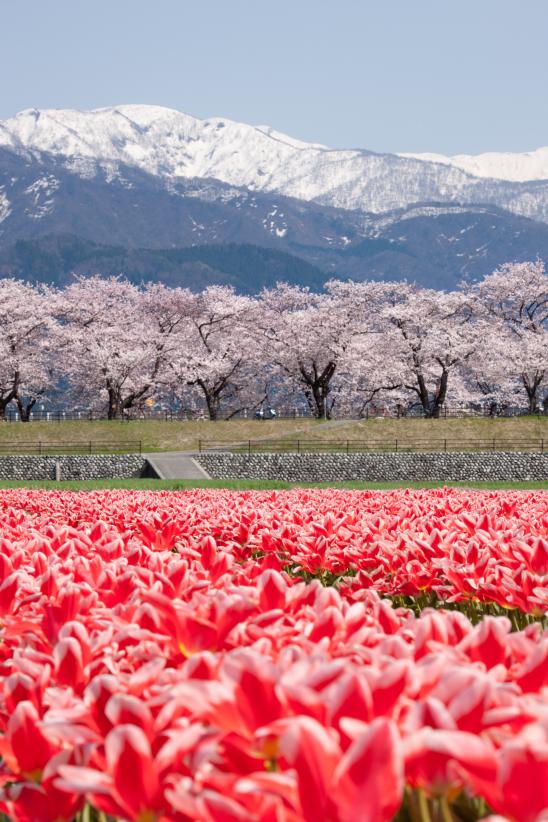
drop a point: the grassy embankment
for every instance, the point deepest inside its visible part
(160, 435)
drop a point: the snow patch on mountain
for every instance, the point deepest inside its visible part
(520, 167)
(5, 205)
(41, 194)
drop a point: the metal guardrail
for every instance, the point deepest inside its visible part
(84, 447)
(445, 445)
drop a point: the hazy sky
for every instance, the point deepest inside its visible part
(392, 75)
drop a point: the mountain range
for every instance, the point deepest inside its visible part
(156, 194)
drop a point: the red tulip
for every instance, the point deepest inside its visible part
(220, 681)
(26, 748)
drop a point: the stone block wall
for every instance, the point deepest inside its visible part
(81, 467)
(467, 467)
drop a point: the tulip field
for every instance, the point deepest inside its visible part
(319, 655)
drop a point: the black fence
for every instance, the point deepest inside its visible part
(445, 445)
(83, 447)
(446, 412)
(135, 416)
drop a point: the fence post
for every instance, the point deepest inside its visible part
(140, 446)
(90, 446)
(40, 446)
(347, 446)
(493, 443)
(249, 448)
(445, 445)
(200, 446)
(542, 446)
(298, 446)
(396, 446)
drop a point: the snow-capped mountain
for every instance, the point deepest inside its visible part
(154, 193)
(171, 145)
(516, 167)
(131, 208)
(194, 232)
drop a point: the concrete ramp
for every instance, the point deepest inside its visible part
(176, 465)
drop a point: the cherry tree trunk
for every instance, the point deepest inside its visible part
(440, 395)
(114, 404)
(25, 409)
(212, 401)
(532, 391)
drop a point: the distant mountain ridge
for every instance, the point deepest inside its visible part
(516, 167)
(248, 268)
(436, 246)
(135, 209)
(156, 194)
(171, 145)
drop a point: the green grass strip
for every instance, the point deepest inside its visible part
(256, 485)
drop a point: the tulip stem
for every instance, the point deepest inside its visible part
(411, 797)
(446, 814)
(423, 806)
(87, 814)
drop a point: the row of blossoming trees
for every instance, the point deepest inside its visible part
(111, 345)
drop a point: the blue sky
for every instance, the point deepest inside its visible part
(393, 75)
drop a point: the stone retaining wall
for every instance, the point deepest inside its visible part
(497, 466)
(92, 466)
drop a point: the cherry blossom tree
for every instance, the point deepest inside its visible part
(27, 331)
(216, 355)
(436, 339)
(112, 351)
(372, 369)
(307, 336)
(514, 301)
